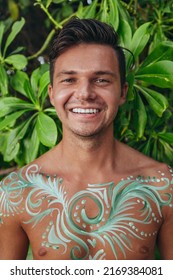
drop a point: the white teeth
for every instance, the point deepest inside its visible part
(85, 111)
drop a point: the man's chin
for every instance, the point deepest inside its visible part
(87, 134)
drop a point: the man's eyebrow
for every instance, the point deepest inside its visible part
(97, 73)
(105, 72)
(66, 72)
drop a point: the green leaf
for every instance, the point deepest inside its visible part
(147, 147)
(159, 74)
(10, 119)
(2, 143)
(44, 82)
(18, 80)
(90, 10)
(9, 155)
(48, 3)
(166, 136)
(32, 146)
(104, 16)
(140, 39)
(30, 92)
(125, 33)
(46, 130)
(167, 149)
(123, 12)
(130, 81)
(157, 101)
(14, 103)
(3, 81)
(13, 137)
(37, 75)
(155, 150)
(164, 51)
(79, 12)
(140, 116)
(2, 27)
(18, 61)
(16, 28)
(113, 14)
(17, 50)
(35, 79)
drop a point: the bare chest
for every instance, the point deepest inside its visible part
(105, 221)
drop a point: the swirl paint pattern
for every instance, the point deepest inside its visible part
(114, 223)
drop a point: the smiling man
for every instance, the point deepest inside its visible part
(90, 197)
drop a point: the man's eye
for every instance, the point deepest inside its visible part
(68, 81)
(101, 81)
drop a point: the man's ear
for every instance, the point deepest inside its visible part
(124, 91)
(51, 95)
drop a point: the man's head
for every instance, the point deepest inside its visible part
(87, 31)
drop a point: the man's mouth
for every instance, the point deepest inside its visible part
(85, 111)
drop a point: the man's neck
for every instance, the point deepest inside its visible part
(92, 154)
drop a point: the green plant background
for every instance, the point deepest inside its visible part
(28, 123)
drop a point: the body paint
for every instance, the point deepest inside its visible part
(114, 225)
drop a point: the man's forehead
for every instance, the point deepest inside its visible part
(99, 59)
(87, 49)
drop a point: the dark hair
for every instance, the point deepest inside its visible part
(77, 31)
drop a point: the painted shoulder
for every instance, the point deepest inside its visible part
(18, 186)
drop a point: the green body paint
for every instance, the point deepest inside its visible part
(115, 224)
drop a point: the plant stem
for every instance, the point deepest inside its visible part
(57, 25)
(45, 45)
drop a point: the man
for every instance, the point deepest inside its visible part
(90, 197)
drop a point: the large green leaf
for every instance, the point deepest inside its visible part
(123, 12)
(140, 39)
(125, 33)
(90, 10)
(147, 147)
(34, 80)
(46, 130)
(39, 79)
(13, 137)
(30, 93)
(157, 101)
(164, 51)
(166, 136)
(3, 81)
(18, 61)
(14, 103)
(10, 154)
(16, 28)
(104, 15)
(167, 149)
(32, 146)
(44, 82)
(159, 74)
(18, 80)
(113, 14)
(140, 116)
(10, 119)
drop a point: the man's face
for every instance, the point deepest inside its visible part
(86, 89)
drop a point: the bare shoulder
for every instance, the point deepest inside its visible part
(11, 194)
(135, 161)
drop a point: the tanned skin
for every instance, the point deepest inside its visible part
(86, 93)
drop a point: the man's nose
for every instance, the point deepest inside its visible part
(85, 90)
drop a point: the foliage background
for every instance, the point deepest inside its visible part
(29, 125)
